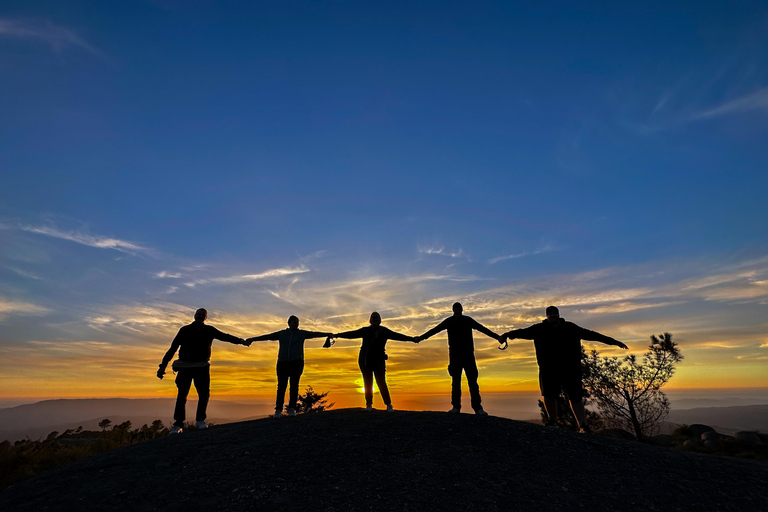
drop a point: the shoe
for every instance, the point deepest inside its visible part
(481, 412)
(176, 430)
(291, 412)
(455, 411)
(369, 407)
(585, 430)
(278, 414)
(390, 408)
(201, 425)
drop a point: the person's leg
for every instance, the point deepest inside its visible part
(367, 382)
(202, 377)
(282, 383)
(380, 371)
(183, 383)
(454, 370)
(575, 392)
(577, 406)
(550, 404)
(297, 368)
(550, 390)
(470, 370)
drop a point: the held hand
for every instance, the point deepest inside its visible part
(621, 345)
(502, 338)
(416, 339)
(328, 343)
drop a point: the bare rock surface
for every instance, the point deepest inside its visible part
(351, 459)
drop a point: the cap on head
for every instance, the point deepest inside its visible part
(552, 310)
(457, 307)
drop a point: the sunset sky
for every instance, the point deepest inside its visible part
(328, 159)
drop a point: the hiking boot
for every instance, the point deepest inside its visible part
(585, 430)
(481, 412)
(291, 412)
(455, 411)
(201, 425)
(176, 430)
(278, 414)
(369, 407)
(390, 408)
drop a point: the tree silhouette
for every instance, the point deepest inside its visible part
(312, 402)
(628, 392)
(104, 424)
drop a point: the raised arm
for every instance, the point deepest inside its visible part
(436, 329)
(586, 334)
(273, 336)
(316, 334)
(350, 335)
(227, 337)
(169, 355)
(527, 333)
(392, 335)
(483, 329)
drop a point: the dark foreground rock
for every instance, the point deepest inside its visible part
(350, 460)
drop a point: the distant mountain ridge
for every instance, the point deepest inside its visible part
(41, 418)
(735, 418)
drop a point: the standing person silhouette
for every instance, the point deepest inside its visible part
(193, 342)
(461, 355)
(373, 359)
(558, 352)
(290, 361)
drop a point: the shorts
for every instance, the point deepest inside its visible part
(556, 378)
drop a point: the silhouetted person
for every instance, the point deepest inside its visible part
(558, 352)
(194, 364)
(290, 361)
(461, 355)
(373, 359)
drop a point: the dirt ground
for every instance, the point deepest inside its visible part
(350, 459)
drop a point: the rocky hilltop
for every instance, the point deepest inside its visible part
(352, 459)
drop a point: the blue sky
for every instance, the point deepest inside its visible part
(330, 158)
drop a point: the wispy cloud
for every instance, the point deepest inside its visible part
(756, 101)
(100, 242)
(548, 248)
(442, 251)
(245, 278)
(625, 307)
(8, 307)
(167, 275)
(58, 38)
(24, 273)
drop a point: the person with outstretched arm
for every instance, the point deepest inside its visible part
(558, 352)
(193, 342)
(373, 358)
(461, 355)
(290, 361)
